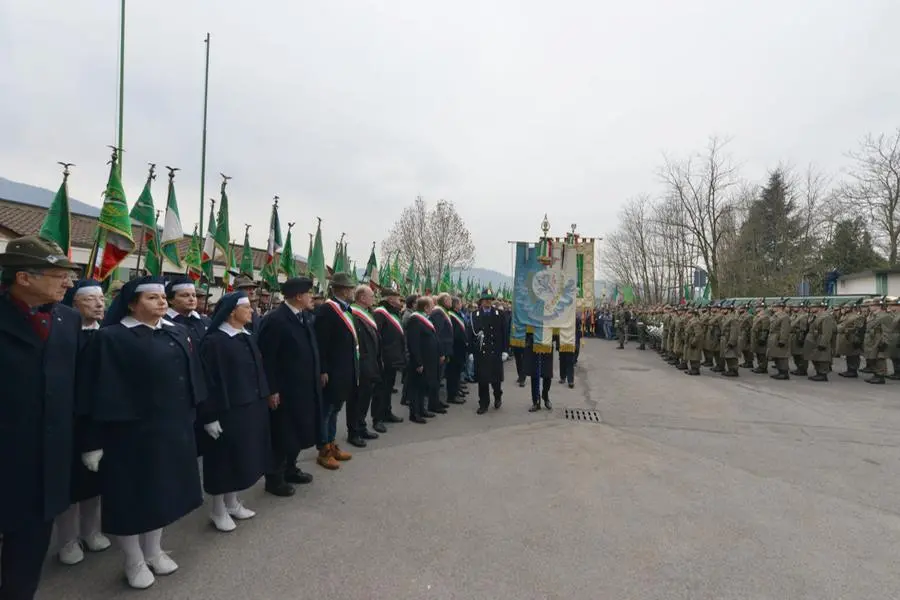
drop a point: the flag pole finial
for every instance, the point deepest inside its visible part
(115, 154)
(373, 246)
(275, 199)
(225, 179)
(151, 175)
(290, 225)
(246, 229)
(65, 167)
(172, 172)
(212, 203)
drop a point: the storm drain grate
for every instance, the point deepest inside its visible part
(584, 415)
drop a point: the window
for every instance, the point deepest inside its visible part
(881, 284)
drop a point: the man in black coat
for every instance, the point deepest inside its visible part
(287, 342)
(441, 319)
(423, 368)
(369, 366)
(457, 361)
(489, 349)
(393, 358)
(339, 361)
(38, 349)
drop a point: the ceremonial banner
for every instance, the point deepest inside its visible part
(586, 293)
(544, 297)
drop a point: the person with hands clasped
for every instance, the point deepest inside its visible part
(141, 383)
(235, 417)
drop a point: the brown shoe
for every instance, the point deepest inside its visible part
(326, 460)
(339, 454)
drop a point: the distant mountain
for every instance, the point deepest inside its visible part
(36, 196)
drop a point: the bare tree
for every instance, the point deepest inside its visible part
(875, 184)
(700, 186)
(431, 238)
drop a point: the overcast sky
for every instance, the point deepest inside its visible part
(348, 109)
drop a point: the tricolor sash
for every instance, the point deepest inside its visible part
(359, 311)
(394, 320)
(424, 319)
(458, 320)
(347, 319)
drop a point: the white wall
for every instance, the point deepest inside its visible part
(857, 285)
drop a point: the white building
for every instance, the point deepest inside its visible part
(885, 282)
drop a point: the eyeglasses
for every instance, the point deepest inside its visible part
(57, 276)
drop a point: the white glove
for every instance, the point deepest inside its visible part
(91, 460)
(504, 356)
(213, 429)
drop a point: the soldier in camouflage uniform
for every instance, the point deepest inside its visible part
(779, 340)
(851, 333)
(800, 320)
(759, 335)
(819, 340)
(621, 324)
(641, 317)
(681, 339)
(729, 343)
(713, 337)
(894, 344)
(876, 346)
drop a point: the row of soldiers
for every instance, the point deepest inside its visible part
(725, 335)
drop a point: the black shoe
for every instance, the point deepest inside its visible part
(850, 374)
(428, 414)
(418, 419)
(875, 379)
(379, 427)
(731, 373)
(692, 372)
(798, 372)
(521, 383)
(438, 410)
(392, 418)
(547, 404)
(818, 377)
(620, 347)
(571, 385)
(781, 376)
(535, 407)
(760, 371)
(497, 403)
(562, 381)
(456, 401)
(280, 489)
(355, 440)
(368, 435)
(718, 369)
(481, 410)
(297, 476)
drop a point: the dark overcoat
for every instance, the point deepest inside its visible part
(142, 387)
(534, 362)
(338, 355)
(290, 356)
(490, 332)
(36, 411)
(424, 349)
(238, 394)
(85, 483)
(393, 340)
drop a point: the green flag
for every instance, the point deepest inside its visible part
(57, 225)
(316, 260)
(143, 211)
(192, 259)
(247, 255)
(706, 292)
(371, 274)
(172, 233)
(222, 234)
(209, 248)
(628, 295)
(446, 284)
(288, 266)
(114, 237)
(153, 261)
(429, 286)
(410, 279)
(309, 253)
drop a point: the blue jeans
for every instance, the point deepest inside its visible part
(329, 423)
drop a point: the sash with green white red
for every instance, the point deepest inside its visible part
(363, 314)
(391, 318)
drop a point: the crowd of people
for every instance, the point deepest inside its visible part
(726, 336)
(109, 404)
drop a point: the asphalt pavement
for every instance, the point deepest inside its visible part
(690, 488)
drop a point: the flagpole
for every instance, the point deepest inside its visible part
(121, 79)
(150, 177)
(203, 149)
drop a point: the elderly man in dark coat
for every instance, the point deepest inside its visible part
(393, 358)
(369, 366)
(339, 363)
(287, 341)
(490, 351)
(423, 370)
(38, 348)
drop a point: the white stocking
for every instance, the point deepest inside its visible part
(90, 516)
(151, 543)
(67, 525)
(218, 505)
(131, 546)
(231, 500)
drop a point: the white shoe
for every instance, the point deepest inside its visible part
(241, 512)
(71, 553)
(223, 522)
(139, 576)
(97, 542)
(162, 564)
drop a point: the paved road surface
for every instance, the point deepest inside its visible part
(693, 487)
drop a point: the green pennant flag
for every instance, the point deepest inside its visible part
(429, 286)
(114, 238)
(316, 260)
(153, 261)
(288, 265)
(192, 259)
(446, 284)
(371, 274)
(417, 284)
(223, 235)
(353, 274)
(172, 233)
(309, 252)
(57, 225)
(337, 265)
(143, 211)
(410, 279)
(247, 255)
(209, 248)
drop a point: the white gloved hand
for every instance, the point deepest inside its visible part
(505, 356)
(91, 460)
(213, 429)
